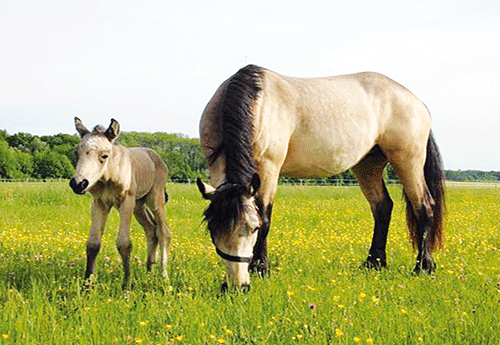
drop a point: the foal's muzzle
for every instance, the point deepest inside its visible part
(78, 188)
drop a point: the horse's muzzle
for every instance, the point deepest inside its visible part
(78, 188)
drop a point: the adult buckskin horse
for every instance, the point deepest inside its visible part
(130, 179)
(260, 124)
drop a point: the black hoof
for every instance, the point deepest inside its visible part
(260, 267)
(374, 263)
(426, 266)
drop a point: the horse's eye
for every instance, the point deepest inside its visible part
(104, 156)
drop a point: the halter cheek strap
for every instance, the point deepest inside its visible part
(232, 258)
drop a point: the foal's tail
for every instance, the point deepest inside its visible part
(435, 179)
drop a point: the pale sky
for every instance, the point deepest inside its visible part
(154, 65)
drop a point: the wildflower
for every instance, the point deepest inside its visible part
(143, 323)
(168, 326)
(403, 311)
(212, 337)
(361, 295)
(369, 341)
(421, 339)
(338, 333)
(299, 336)
(375, 299)
(229, 332)
(289, 293)
(221, 340)
(5, 336)
(138, 341)
(357, 339)
(341, 306)
(179, 338)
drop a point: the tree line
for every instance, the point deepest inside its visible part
(24, 156)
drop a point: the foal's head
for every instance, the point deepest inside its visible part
(92, 154)
(234, 218)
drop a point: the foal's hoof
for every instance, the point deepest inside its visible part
(244, 288)
(374, 263)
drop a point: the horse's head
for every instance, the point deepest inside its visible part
(92, 154)
(234, 218)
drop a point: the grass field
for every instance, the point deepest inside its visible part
(316, 293)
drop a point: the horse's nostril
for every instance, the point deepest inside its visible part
(78, 188)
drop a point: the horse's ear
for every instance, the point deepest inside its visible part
(254, 185)
(80, 128)
(206, 190)
(113, 130)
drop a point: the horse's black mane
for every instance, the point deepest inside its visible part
(235, 109)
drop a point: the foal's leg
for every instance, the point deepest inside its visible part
(100, 213)
(146, 219)
(157, 205)
(123, 242)
(369, 174)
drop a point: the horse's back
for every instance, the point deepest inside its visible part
(327, 125)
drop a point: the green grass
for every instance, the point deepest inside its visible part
(316, 293)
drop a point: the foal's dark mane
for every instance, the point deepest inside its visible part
(235, 109)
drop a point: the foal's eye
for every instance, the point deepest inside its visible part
(104, 156)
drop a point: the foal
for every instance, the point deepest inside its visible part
(130, 179)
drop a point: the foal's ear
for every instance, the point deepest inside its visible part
(254, 185)
(206, 190)
(80, 128)
(113, 130)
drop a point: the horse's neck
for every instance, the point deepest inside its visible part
(119, 166)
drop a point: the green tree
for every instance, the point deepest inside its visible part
(51, 164)
(8, 163)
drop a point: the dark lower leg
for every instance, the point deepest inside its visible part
(92, 251)
(125, 250)
(259, 261)
(382, 215)
(424, 258)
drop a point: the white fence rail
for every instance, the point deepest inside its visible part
(297, 182)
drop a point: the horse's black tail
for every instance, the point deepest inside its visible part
(435, 180)
(166, 196)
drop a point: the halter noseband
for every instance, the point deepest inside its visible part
(232, 258)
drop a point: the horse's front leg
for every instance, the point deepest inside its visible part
(123, 242)
(259, 261)
(100, 213)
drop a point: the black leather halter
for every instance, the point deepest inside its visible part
(232, 258)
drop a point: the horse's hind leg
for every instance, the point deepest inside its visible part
(123, 242)
(419, 208)
(156, 203)
(369, 174)
(146, 218)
